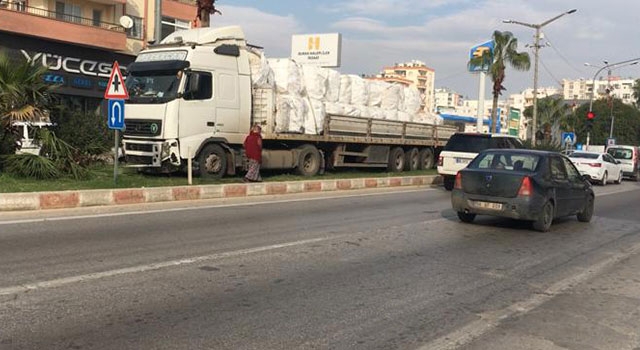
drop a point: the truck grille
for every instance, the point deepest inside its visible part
(137, 127)
(139, 160)
(139, 147)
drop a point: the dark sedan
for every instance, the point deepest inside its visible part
(528, 185)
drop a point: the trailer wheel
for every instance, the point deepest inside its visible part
(427, 160)
(396, 160)
(308, 161)
(412, 161)
(212, 162)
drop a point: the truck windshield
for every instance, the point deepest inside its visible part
(153, 87)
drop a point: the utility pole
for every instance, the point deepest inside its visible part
(536, 49)
(157, 33)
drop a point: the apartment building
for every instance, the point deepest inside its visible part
(447, 99)
(414, 73)
(80, 39)
(581, 89)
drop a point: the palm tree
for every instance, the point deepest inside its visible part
(553, 115)
(505, 52)
(24, 95)
(205, 9)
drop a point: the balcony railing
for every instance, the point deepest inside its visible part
(20, 7)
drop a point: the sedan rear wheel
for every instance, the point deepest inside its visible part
(466, 217)
(604, 180)
(543, 224)
(586, 213)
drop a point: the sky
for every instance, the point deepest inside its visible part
(380, 33)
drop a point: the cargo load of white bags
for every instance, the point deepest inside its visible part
(305, 95)
(288, 77)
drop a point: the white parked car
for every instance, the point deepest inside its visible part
(601, 167)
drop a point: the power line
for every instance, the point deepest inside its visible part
(549, 72)
(562, 56)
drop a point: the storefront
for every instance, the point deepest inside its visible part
(80, 73)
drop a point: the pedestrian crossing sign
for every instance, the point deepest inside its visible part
(116, 88)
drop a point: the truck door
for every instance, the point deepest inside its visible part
(227, 97)
(197, 117)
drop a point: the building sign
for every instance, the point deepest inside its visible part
(514, 121)
(323, 50)
(75, 70)
(484, 50)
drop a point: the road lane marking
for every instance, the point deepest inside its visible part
(173, 263)
(491, 320)
(216, 206)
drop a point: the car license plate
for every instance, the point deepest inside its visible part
(463, 160)
(488, 205)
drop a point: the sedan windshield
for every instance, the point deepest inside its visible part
(620, 153)
(506, 161)
(153, 87)
(584, 155)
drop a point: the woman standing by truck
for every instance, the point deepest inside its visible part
(253, 150)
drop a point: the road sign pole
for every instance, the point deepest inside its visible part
(115, 158)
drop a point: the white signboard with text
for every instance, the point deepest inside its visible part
(322, 50)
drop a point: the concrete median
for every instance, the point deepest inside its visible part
(89, 198)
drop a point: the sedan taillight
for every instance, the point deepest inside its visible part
(440, 161)
(526, 189)
(594, 165)
(458, 183)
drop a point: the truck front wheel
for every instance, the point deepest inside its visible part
(212, 162)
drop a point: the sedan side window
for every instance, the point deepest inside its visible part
(572, 172)
(558, 173)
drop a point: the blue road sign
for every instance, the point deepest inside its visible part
(115, 118)
(579, 146)
(568, 138)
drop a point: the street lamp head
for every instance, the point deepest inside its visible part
(571, 11)
(506, 21)
(605, 61)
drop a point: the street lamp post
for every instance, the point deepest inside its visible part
(536, 50)
(593, 86)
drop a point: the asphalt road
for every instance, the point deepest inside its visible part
(359, 270)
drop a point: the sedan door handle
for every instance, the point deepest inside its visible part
(211, 124)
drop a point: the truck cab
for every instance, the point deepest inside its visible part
(190, 91)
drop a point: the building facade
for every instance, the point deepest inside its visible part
(78, 40)
(414, 73)
(581, 89)
(447, 99)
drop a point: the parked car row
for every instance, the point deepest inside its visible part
(494, 175)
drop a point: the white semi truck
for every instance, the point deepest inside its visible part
(192, 96)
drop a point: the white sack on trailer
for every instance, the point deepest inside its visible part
(315, 81)
(412, 100)
(345, 90)
(334, 108)
(376, 88)
(404, 116)
(350, 110)
(262, 75)
(376, 113)
(288, 75)
(314, 120)
(290, 113)
(390, 114)
(359, 91)
(333, 86)
(391, 97)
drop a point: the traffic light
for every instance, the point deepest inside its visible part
(590, 117)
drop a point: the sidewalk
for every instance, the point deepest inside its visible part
(91, 198)
(600, 313)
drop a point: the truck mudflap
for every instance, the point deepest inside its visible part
(144, 154)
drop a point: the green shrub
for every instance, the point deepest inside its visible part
(86, 132)
(31, 165)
